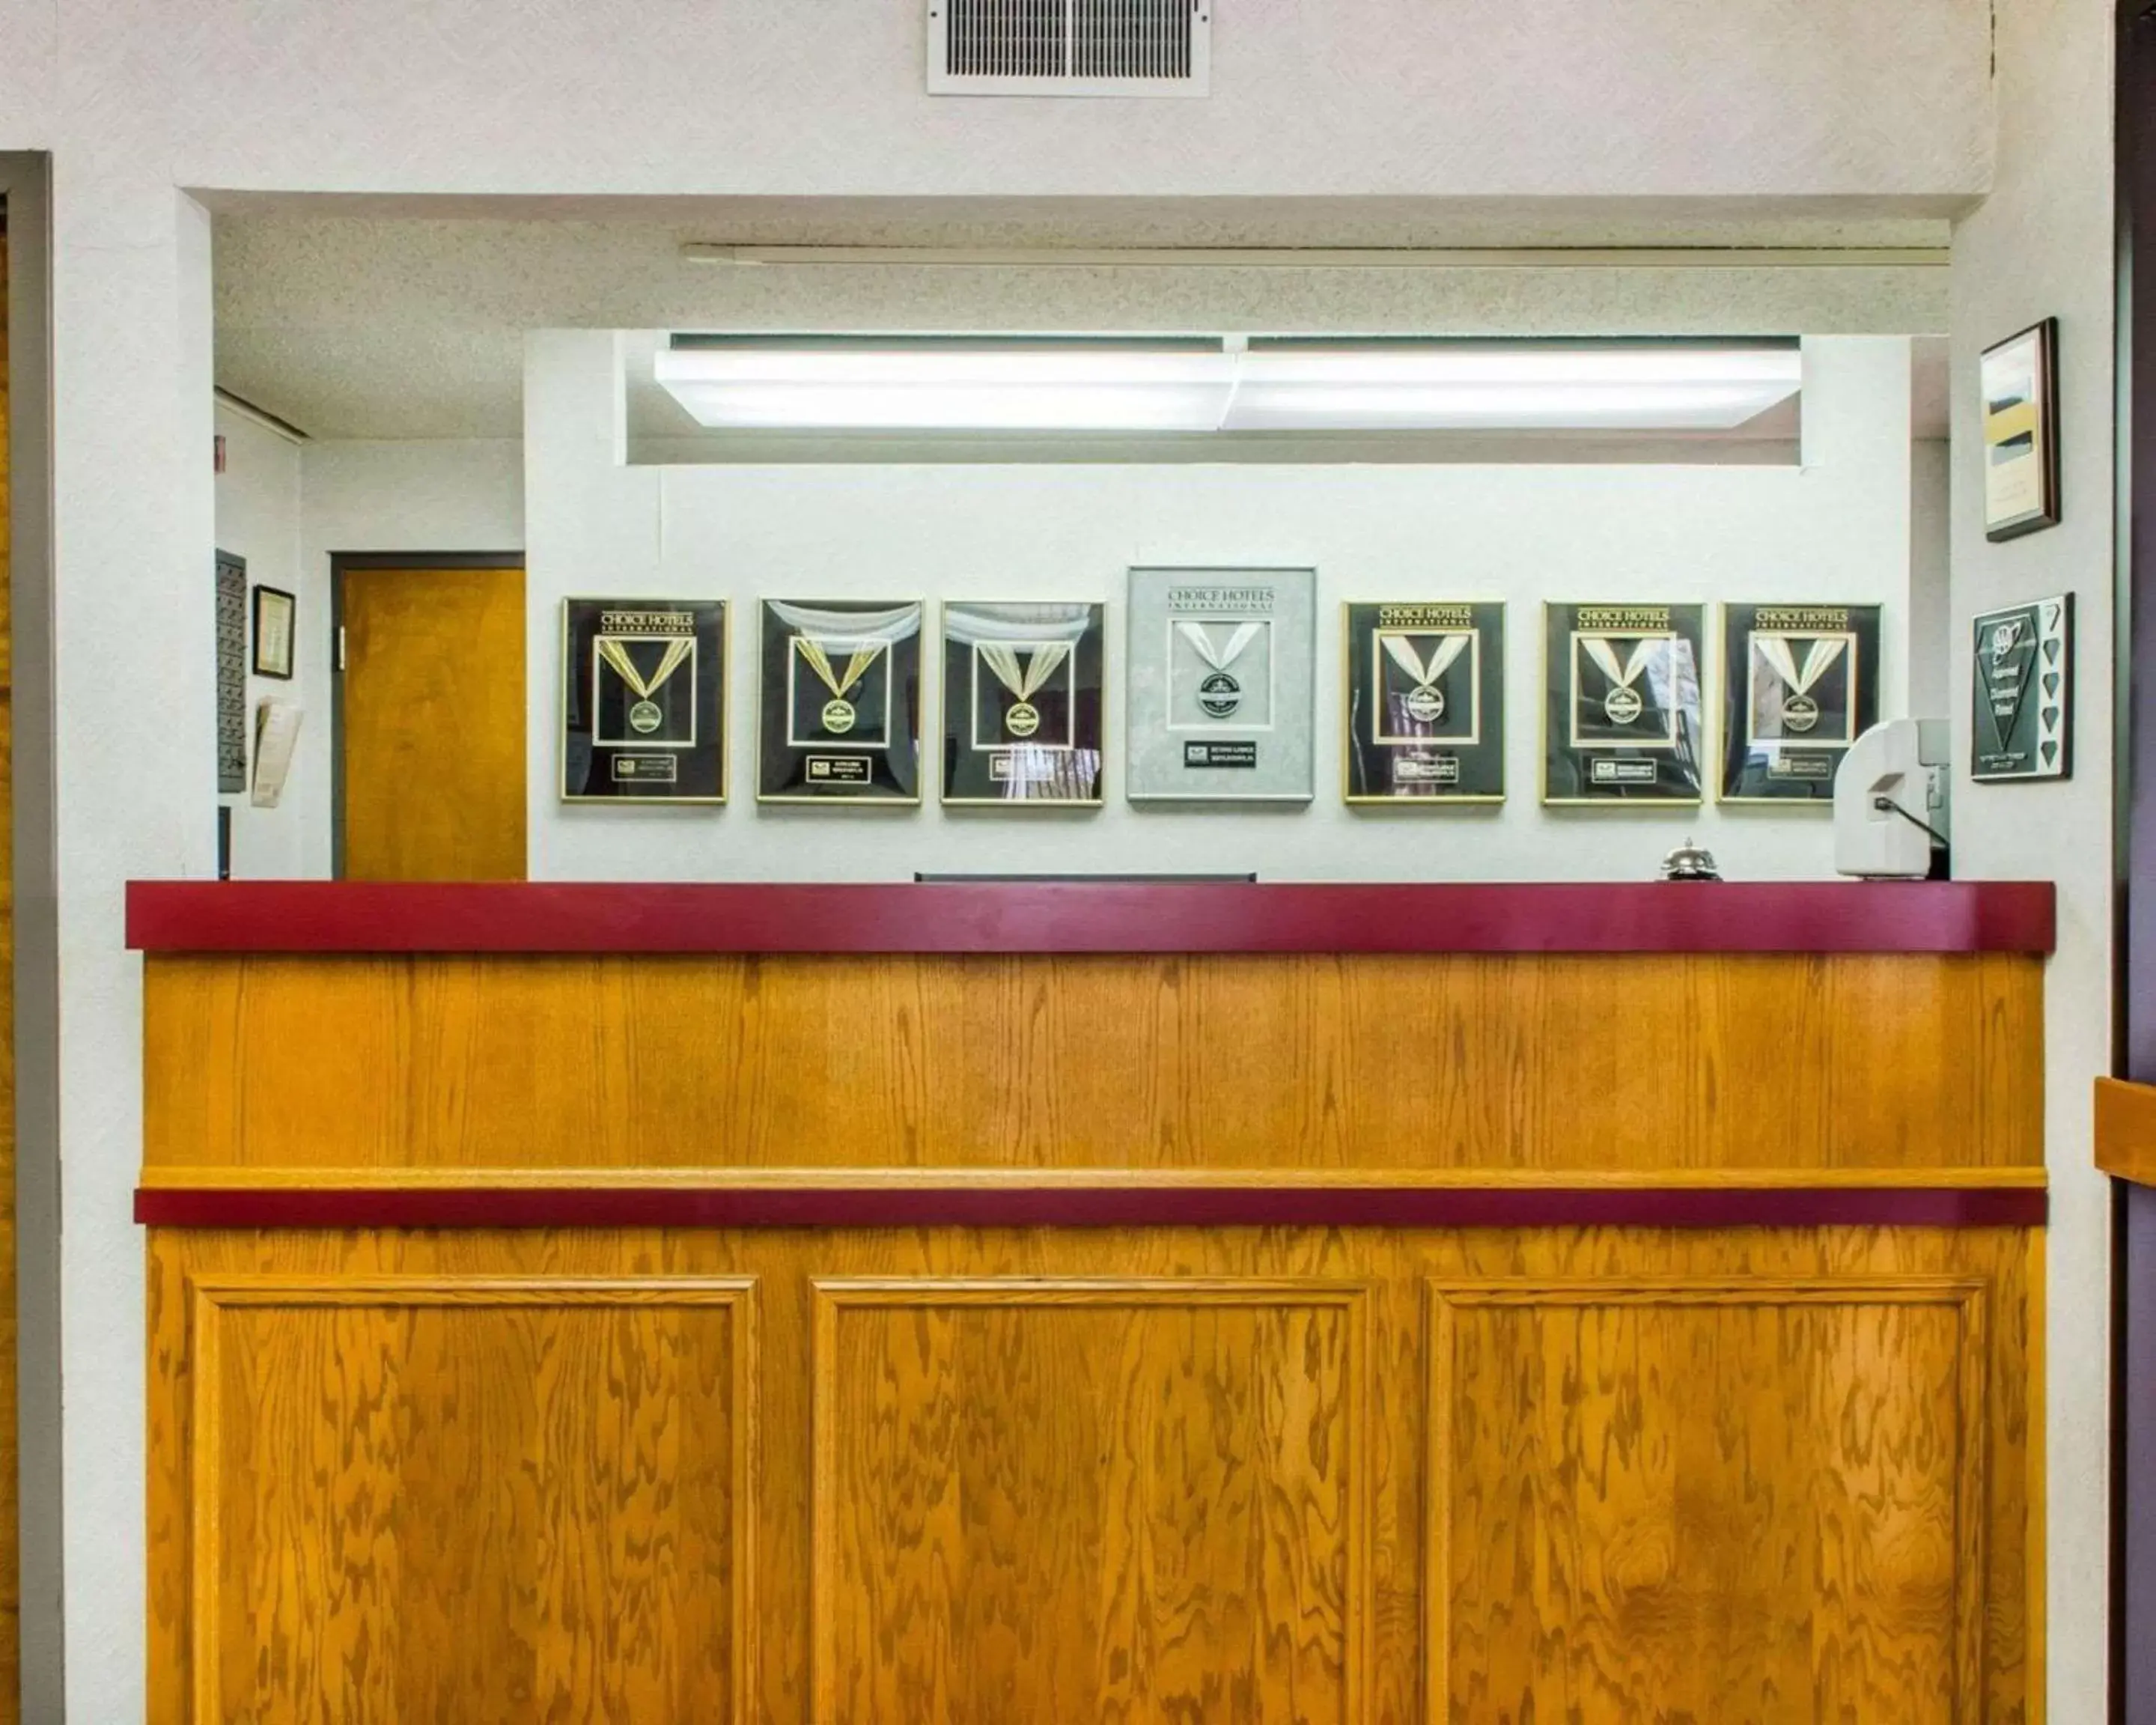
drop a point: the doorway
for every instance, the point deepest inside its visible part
(428, 716)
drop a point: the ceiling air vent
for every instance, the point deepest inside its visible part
(1072, 47)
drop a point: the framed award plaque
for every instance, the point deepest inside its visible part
(840, 713)
(1425, 696)
(2022, 726)
(1800, 684)
(1222, 671)
(1022, 703)
(644, 711)
(1621, 714)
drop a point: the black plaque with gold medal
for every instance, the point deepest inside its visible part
(1622, 707)
(1022, 703)
(1425, 695)
(643, 701)
(1799, 684)
(840, 713)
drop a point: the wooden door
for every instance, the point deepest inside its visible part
(432, 737)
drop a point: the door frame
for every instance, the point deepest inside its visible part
(26, 190)
(340, 562)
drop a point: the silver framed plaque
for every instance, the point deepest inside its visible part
(1221, 666)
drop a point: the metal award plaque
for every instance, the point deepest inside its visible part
(1425, 688)
(1622, 709)
(1799, 684)
(1222, 674)
(644, 713)
(1022, 703)
(840, 716)
(2022, 724)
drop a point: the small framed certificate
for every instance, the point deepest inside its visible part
(1023, 708)
(274, 613)
(1222, 674)
(644, 711)
(839, 711)
(1622, 704)
(1425, 691)
(1799, 684)
(2021, 382)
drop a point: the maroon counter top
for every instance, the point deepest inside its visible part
(1718, 916)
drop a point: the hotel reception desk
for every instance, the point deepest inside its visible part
(1161, 1305)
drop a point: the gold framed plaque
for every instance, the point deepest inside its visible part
(838, 714)
(1424, 688)
(644, 711)
(1622, 705)
(1023, 712)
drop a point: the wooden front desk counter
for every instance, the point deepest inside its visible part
(1280, 1305)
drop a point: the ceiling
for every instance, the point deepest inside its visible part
(352, 319)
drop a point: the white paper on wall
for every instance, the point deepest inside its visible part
(276, 730)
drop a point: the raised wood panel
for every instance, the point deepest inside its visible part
(1088, 1500)
(2126, 1130)
(1788, 1353)
(1214, 1062)
(456, 1497)
(1737, 1501)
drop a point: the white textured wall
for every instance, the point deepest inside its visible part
(257, 519)
(2041, 246)
(416, 497)
(1931, 599)
(1496, 98)
(1838, 528)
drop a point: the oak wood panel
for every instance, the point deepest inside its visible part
(432, 739)
(1089, 1499)
(2126, 1130)
(1859, 1373)
(1305, 1061)
(1750, 1500)
(435, 1498)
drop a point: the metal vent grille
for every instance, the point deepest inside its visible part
(1069, 47)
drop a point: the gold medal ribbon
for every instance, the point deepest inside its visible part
(1219, 657)
(617, 655)
(1822, 653)
(1002, 659)
(1605, 658)
(1403, 654)
(819, 661)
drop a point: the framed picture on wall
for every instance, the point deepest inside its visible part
(2022, 692)
(644, 709)
(1621, 711)
(275, 611)
(840, 713)
(1425, 691)
(1022, 707)
(1222, 675)
(1799, 684)
(2020, 384)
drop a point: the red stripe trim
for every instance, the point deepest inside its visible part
(1100, 1207)
(1805, 916)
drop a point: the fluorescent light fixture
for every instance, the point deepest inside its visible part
(951, 386)
(1223, 384)
(1519, 386)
